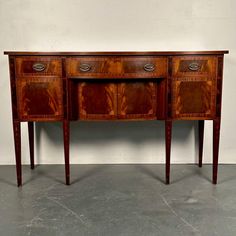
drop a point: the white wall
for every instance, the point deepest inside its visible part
(90, 25)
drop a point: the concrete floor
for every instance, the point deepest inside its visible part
(111, 200)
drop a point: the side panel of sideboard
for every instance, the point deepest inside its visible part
(39, 88)
(193, 87)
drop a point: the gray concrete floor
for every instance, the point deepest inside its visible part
(118, 200)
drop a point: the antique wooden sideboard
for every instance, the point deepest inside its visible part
(71, 86)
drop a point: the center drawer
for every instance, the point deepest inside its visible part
(116, 67)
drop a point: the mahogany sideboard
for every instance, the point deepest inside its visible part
(71, 86)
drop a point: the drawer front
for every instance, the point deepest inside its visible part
(117, 67)
(137, 100)
(39, 98)
(38, 66)
(194, 66)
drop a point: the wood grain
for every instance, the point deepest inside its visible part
(116, 67)
(193, 97)
(39, 98)
(118, 53)
(66, 86)
(97, 100)
(182, 65)
(24, 66)
(137, 100)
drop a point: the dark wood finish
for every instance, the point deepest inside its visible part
(161, 104)
(137, 100)
(216, 140)
(66, 135)
(67, 86)
(193, 98)
(168, 132)
(47, 66)
(194, 66)
(193, 87)
(13, 87)
(200, 140)
(97, 100)
(39, 98)
(219, 85)
(217, 120)
(116, 53)
(116, 67)
(17, 141)
(31, 143)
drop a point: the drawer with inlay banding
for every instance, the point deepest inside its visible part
(38, 66)
(194, 66)
(117, 67)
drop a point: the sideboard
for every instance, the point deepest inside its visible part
(73, 86)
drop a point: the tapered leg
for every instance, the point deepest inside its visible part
(31, 143)
(216, 140)
(168, 129)
(200, 138)
(17, 141)
(66, 134)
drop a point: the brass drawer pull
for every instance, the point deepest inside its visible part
(39, 66)
(194, 66)
(149, 67)
(85, 67)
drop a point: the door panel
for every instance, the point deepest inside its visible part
(137, 100)
(39, 98)
(97, 100)
(193, 97)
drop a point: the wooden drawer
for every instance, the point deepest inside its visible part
(117, 67)
(194, 66)
(38, 66)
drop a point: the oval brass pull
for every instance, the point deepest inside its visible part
(39, 66)
(194, 66)
(85, 67)
(149, 67)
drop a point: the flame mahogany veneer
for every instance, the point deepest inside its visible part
(71, 86)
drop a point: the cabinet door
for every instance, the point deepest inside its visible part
(39, 98)
(193, 97)
(137, 100)
(97, 100)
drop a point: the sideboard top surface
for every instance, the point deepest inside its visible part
(117, 53)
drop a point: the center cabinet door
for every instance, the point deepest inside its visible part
(107, 100)
(97, 100)
(137, 100)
